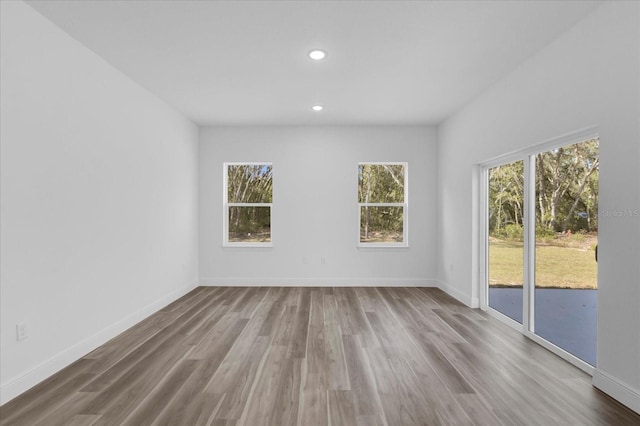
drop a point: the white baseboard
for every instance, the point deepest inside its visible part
(318, 282)
(617, 390)
(472, 302)
(17, 385)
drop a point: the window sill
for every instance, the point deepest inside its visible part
(247, 246)
(378, 246)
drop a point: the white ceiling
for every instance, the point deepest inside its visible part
(245, 63)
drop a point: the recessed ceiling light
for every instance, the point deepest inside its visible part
(317, 54)
(317, 107)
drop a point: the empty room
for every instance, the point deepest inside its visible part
(362, 213)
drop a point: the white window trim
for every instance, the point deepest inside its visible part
(405, 209)
(226, 205)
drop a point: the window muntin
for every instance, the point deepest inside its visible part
(382, 203)
(248, 198)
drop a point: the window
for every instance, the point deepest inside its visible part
(382, 201)
(248, 196)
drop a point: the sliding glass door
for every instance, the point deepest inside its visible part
(541, 240)
(505, 245)
(566, 273)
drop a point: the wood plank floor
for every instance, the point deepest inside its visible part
(317, 356)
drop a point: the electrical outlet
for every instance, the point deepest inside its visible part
(21, 331)
(323, 260)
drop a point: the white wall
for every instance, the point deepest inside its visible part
(589, 76)
(315, 210)
(99, 200)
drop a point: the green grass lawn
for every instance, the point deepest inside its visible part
(562, 267)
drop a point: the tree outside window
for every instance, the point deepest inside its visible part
(247, 203)
(382, 200)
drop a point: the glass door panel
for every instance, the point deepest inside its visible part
(565, 296)
(505, 246)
